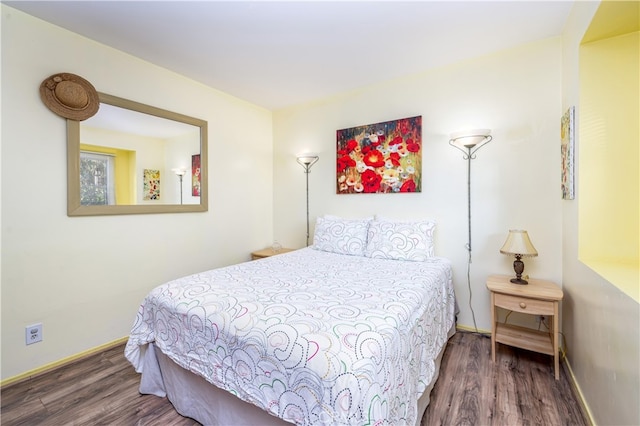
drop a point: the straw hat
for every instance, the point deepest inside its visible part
(70, 96)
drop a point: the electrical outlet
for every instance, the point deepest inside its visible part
(33, 334)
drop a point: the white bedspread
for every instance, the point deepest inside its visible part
(308, 336)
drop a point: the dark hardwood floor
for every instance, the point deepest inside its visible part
(103, 390)
(520, 389)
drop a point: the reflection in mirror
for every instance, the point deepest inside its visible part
(133, 158)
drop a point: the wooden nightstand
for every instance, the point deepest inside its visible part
(539, 297)
(267, 252)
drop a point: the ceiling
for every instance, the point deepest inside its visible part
(282, 53)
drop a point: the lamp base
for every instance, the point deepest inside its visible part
(518, 268)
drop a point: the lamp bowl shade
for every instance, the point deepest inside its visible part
(470, 138)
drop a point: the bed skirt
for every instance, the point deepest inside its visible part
(194, 397)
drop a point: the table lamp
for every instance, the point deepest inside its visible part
(519, 245)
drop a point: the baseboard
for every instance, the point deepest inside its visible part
(473, 330)
(61, 363)
(584, 407)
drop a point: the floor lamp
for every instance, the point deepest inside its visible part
(469, 142)
(306, 161)
(180, 173)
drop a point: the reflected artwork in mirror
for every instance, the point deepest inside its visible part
(123, 160)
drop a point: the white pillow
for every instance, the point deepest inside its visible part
(400, 240)
(341, 236)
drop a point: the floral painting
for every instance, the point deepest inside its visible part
(567, 151)
(151, 184)
(380, 158)
(195, 175)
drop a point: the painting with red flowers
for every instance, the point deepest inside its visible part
(195, 175)
(380, 158)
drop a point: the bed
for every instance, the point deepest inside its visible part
(330, 334)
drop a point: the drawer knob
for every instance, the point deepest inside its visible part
(523, 305)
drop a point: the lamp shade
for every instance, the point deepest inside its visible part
(518, 244)
(470, 138)
(307, 160)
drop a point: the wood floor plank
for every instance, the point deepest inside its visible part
(542, 392)
(447, 390)
(469, 408)
(487, 378)
(16, 412)
(519, 389)
(506, 412)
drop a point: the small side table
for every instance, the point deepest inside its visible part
(539, 297)
(267, 252)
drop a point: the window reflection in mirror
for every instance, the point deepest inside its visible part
(123, 160)
(97, 185)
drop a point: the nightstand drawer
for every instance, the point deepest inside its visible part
(524, 305)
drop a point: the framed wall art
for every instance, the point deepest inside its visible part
(151, 184)
(567, 140)
(195, 175)
(380, 158)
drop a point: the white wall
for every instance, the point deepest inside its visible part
(601, 323)
(515, 178)
(84, 277)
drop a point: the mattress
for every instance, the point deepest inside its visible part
(310, 337)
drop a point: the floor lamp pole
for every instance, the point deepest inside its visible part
(469, 202)
(180, 173)
(468, 245)
(306, 162)
(307, 174)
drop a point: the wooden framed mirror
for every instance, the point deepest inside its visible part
(132, 158)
